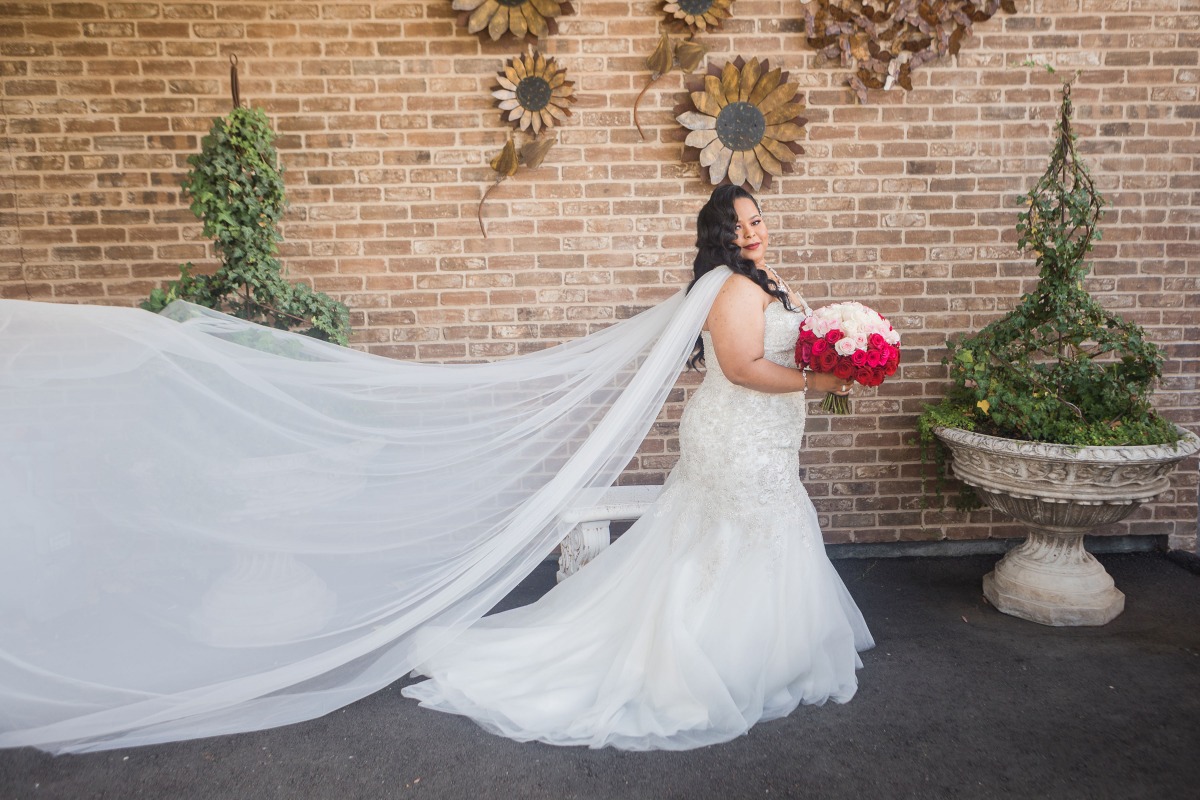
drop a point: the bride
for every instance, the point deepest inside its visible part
(718, 609)
(211, 527)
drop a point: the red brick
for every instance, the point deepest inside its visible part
(386, 126)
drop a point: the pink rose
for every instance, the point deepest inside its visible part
(858, 358)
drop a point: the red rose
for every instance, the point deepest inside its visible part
(863, 375)
(889, 368)
(876, 341)
(844, 369)
(826, 360)
(859, 357)
(803, 351)
(819, 346)
(874, 358)
(833, 336)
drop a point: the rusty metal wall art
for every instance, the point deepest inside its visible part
(744, 122)
(521, 18)
(534, 92)
(692, 17)
(885, 40)
(697, 15)
(510, 159)
(667, 55)
(533, 96)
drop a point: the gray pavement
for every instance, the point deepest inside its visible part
(956, 701)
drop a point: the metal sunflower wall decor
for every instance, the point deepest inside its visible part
(534, 92)
(886, 39)
(697, 14)
(744, 122)
(533, 95)
(521, 18)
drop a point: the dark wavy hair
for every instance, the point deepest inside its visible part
(716, 232)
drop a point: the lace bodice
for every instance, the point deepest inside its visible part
(742, 445)
(781, 329)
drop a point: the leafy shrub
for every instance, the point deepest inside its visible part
(236, 187)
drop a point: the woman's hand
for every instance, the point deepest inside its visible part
(828, 382)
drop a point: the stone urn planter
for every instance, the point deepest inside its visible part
(1059, 493)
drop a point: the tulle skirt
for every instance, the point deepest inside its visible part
(688, 630)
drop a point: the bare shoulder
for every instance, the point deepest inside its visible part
(739, 289)
(738, 299)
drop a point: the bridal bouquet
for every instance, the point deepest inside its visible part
(853, 342)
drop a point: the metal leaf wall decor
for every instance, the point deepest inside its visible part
(668, 55)
(692, 16)
(743, 122)
(520, 18)
(509, 160)
(886, 39)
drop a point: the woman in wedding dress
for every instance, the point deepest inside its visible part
(211, 527)
(719, 608)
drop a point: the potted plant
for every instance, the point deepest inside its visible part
(236, 187)
(1048, 418)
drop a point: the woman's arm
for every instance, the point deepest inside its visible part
(737, 324)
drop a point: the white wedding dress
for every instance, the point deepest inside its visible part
(209, 527)
(717, 610)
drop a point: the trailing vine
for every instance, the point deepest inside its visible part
(236, 190)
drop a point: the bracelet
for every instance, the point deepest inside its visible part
(804, 372)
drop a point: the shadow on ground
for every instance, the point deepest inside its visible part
(956, 701)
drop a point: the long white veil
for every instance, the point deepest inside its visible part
(209, 527)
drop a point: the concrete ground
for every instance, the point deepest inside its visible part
(956, 701)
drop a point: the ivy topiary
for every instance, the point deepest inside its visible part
(236, 188)
(1059, 367)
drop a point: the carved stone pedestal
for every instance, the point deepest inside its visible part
(1050, 578)
(1059, 493)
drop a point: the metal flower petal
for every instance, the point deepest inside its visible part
(743, 122)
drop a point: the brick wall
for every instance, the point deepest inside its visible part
(386, 127)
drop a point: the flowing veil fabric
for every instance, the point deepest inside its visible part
(209, 527)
